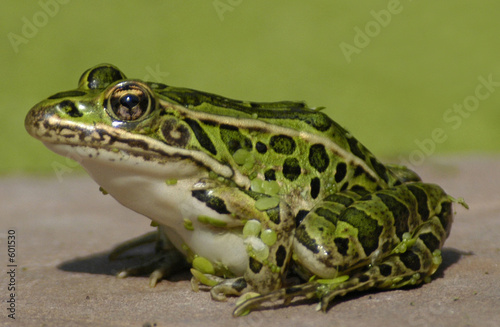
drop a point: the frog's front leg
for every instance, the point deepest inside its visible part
(387, 239)
(166, 261)
(267, 233)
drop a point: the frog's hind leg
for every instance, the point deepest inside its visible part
(398, 270)
(166, 261)
(387, 239)
(411, 262)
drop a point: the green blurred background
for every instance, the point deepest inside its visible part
(389, 71)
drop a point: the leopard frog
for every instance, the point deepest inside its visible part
(248, 193)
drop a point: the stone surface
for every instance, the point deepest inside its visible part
(65, 229)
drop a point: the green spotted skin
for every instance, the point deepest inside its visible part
(291, 190)
(300, 148)
(355, 229)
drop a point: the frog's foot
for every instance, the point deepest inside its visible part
(220, 287)
(403, 267)
(162, 265)
(325, 290)
(166, 261)
(307, 290)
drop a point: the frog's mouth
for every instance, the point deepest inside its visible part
(53, 131)
(82, 142)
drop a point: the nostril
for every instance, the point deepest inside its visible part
(69, 108)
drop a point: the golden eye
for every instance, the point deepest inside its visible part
(130, 101)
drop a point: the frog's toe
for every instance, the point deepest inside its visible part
(220, 292)
(233, 286)
(307, 290)
(155, 276)
(220, 288)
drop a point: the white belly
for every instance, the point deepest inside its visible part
(140, 185)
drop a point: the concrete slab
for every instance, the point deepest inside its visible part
(64, 231)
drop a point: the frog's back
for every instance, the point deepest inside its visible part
(329, 147)
(290, 114)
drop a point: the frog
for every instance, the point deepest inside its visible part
(268, 201)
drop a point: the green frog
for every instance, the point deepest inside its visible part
(248, 193)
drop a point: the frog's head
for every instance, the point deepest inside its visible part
(115, 119)
(104, 98)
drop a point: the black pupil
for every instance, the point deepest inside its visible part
(129, 101)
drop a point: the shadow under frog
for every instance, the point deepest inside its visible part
(101, 264)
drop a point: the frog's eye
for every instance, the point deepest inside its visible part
(129, 101)
(100, 77)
